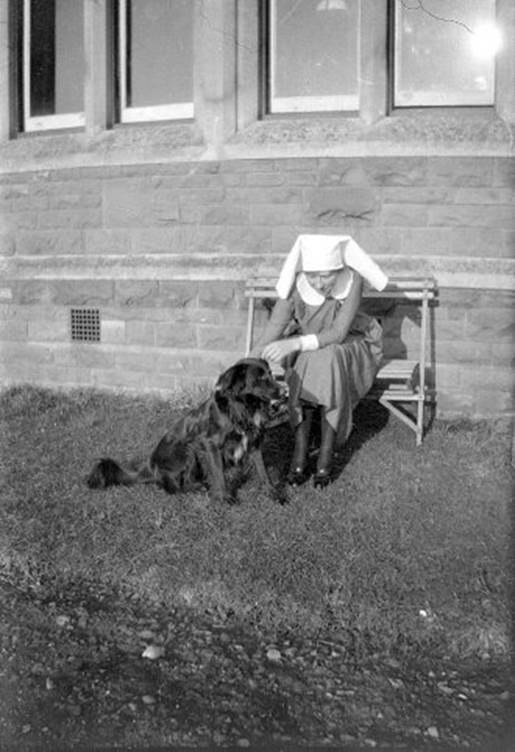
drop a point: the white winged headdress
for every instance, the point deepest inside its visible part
(328, 253)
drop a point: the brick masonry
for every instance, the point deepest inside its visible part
(102, 237)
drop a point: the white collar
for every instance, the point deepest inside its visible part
(340, 290)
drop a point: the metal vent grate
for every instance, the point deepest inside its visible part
(85, 324)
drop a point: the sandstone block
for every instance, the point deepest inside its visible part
(7, 244)
(501, 216)
(135, 359)
(26, 353)
(180, 294)
(106, 241)
(460, 171)
(483, 195)
(301, 177)
(247, 165)
(490, 330)
(134, 292)
(342, 203)
(13, 329)
(282, 195)
(137, 203)
(264, 178)
(456, 351)
(396, 171)
(168, 334)
(69, 218)
(180, 239)
(427, 194)
(270, 214)
(48, 331)
(504, 172)
(113, 331)
(404, 215)
(69, 376)
(425, 241)
(140, 332)
(221, 337)
(209, 196)
(215, 215)
(47, 242)
(217, 294)
(82, 292)
(117, 378)
(341, 172)
(28, 291)
(84, 356)
(14, 221)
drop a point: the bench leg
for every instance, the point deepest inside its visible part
(420, 421)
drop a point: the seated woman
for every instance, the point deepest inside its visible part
(332, 358)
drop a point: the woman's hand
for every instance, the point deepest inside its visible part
(279, 349)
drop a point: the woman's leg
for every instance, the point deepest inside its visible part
(325, 457)
(298, 472)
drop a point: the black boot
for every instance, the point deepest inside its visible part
(325, 458)
(298, 472)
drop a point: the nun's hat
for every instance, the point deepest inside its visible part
(323, 253)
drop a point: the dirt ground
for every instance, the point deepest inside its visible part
(91, 671)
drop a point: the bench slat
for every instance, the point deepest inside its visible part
(408, 288)
(397, 369)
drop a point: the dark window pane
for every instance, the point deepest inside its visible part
(56, 57)
(42, 57)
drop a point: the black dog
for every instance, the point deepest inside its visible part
(224, 431)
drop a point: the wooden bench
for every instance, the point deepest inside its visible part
(399, 381)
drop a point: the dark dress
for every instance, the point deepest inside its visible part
(341, 371)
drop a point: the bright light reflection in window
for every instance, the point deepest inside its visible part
(486, 41)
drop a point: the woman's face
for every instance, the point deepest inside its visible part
(323, 282)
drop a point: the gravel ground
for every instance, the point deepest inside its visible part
(94, 671)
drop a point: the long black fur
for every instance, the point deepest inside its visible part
(225, 431)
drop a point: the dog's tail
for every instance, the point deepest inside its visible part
(107, 472)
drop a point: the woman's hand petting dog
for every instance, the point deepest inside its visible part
(224, 431)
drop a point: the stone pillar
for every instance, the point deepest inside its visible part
(373, 60)
(247, 62)
(98, 77)
(8, 93)
(505, 72)
(215, 71)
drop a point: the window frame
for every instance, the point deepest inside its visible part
(151, 113)
(32, 123)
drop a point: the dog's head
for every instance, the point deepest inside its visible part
(249, 378)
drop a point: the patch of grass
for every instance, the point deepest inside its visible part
(407, 550)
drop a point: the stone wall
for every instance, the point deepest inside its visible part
(162, 249)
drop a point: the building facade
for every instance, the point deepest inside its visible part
(154, 155)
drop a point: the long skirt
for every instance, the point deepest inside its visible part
(336, 377)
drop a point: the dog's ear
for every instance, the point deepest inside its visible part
(232, 380)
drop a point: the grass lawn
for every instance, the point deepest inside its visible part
(403, 562)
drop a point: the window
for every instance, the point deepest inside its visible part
(313, 55)
(444, 52)
(155, 59)
(53, 64)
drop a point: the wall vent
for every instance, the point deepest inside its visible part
(85, 324)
